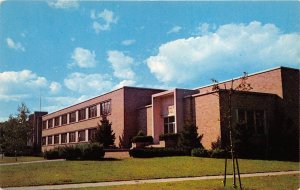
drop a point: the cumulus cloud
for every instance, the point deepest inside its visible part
(175, 29)
(55, 87)
(121, 64)
(232, 47)
(128, 42)
(15, 85)
(125, 83)
(14, 45)
(90, 84)
(83, 58)
(103, 20)
(63, 4)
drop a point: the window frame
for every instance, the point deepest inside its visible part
(64, 117)
(105, 107)
(81, 136)
(56, 139)
(254, 119)
(56, 121)
(82, 114)
(169, 124)
(71, 135)
(50, 137)
(95, 111)
(64, 136)
(70, 118)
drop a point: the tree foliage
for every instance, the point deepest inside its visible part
(104, 134)
(189, 137)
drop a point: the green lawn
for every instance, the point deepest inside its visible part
(126, 169)
(285, 182)
(6, 159)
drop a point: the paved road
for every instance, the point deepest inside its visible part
(133, 182)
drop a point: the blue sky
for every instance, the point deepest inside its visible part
(69, 51)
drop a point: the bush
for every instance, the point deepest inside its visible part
(169, 136)
(72, 152)
(200, 152)
(218, 153)
(145, 139)
(157, 152)
(53, 154)
(92, 151)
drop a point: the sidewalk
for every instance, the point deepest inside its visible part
(38, 161)
(133, 182)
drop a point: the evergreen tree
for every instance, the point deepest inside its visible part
(189, 137)
(104, 134)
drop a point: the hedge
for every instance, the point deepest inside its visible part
(169, 136)
(92, 151)
(157, 152)
(216, 153)
(142, 139)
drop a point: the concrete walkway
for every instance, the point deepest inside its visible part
(30, 162)
(134, 182)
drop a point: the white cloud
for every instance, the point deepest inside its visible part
(58, 102)
(83, 58)
(121, 64)
(14, 45)
(175, 29)
(89, 84)
(16, 85)
(128, 42)
(231, 48)
(103, 20)
(125, 83)
(55, 87)
(63, 4)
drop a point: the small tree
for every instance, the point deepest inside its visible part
(189, 137)
(104, 134)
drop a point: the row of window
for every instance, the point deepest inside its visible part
(254, 120)
(105, 109)
(63, 138)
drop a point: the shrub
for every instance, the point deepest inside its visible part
(189, 137)
(72, 152)
(92, 151)
(148, 139)
(169, 136)
(157, 152)
(200, 152)
(218, 153)
(52, 154)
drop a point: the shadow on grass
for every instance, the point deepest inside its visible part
(102, 159)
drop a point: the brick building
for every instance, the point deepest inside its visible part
(275, 96)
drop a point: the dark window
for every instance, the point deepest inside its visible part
(72, 117)
(92, 133)
(56, 121)
(49, 139)
(81, 114)
(105, 107)
(92, 111)
(72, 137)
(169, 124)
(44, 141)
(81, 135)
(44, 124)
(56, 139)
(254, 120)
(64, 138)
(64, 119)
(50, 123)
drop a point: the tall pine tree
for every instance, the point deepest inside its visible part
(104, 134)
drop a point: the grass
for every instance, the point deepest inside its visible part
(284, 182)
(19, 159)
(127, 169)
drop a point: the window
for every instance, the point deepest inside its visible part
(81, 114)
(169, 124)
(44, 124)
(56, 139)
(50, 123)
(105, 107)
(49, 139)
(92, 133)
(92, 111)
(81, 135)
(44, 141)
(64, 138)
(72, 137)
(56, 121)
(254, 120)
(64, 119)
(72, 117)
